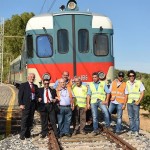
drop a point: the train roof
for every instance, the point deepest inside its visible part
(46, 20)
(16, 60)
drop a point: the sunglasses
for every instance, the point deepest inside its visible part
(46, 83)
(121, 76)
(131, 75)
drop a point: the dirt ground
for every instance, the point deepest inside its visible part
(144, 119)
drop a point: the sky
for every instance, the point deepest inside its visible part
(130, 19)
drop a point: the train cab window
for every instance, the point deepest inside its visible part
(100, 45)
(29, 46)
(44, 46)
(63, 42)
(83, 41)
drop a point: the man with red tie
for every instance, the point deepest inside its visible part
(47, 107)
(27, 99)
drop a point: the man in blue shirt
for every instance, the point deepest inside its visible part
(98, 97)
(66, 103)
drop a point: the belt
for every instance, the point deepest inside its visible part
(65, 105)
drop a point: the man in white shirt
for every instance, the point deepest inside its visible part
(47, 108)
(135, 90)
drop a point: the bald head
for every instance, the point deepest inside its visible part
(31, 77)
(62, 83)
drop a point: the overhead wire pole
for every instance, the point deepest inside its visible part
(1, 48)
(2, 36)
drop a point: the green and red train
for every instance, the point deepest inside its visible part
(70, 40)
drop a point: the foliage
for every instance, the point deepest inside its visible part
(145, 78)
(13, 45)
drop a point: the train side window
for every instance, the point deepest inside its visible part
(29, 46)
(44, 46)
(63, 42)
(100, 45)
(83, 41)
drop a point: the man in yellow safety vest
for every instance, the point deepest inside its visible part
(80, 93)
(135, 90)
(98, 97)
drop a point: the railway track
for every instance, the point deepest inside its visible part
(89, 142)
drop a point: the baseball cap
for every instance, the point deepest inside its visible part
(120, 73)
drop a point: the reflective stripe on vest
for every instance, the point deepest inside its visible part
(80, 94)
(134, 93)
(118, 93)
(99, 93)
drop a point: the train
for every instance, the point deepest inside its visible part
(68, 40)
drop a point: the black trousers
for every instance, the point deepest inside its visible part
(27, 119)
(48, 116)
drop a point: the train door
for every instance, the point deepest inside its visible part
(63, 48)
(83, 51)
(72, 46)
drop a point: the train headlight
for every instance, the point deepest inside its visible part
(71, 4)
(46, 76)
(101, 75)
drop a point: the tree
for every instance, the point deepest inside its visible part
(12, 46)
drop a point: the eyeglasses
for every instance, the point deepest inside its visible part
(46, 83)
(131, 75)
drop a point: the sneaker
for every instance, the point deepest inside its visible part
(68, 135)
(75, 132)
(83, 132)
(136, 134)
(118, 133)
(94, 133)
(130, 133)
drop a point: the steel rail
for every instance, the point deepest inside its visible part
(53, 142)
(124, 145)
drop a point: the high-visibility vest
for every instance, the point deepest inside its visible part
(80, 94)
(98, 94)
(118, 93)
(134, 93)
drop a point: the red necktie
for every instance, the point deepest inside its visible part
(48, 100)
(32, 88)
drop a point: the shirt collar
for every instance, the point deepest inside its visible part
(96, 82)
(133, 81)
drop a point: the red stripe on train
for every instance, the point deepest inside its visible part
(83, 69)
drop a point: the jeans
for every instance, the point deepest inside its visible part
(64, 120)
(112, 106)
(94, 107)
(133, 113)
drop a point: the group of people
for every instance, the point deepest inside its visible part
(69, 101)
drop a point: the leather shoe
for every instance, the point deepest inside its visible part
(43, 136)
(22, 138)
(61, 135)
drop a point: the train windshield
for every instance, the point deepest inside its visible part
(100, 45)
(44, 46)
